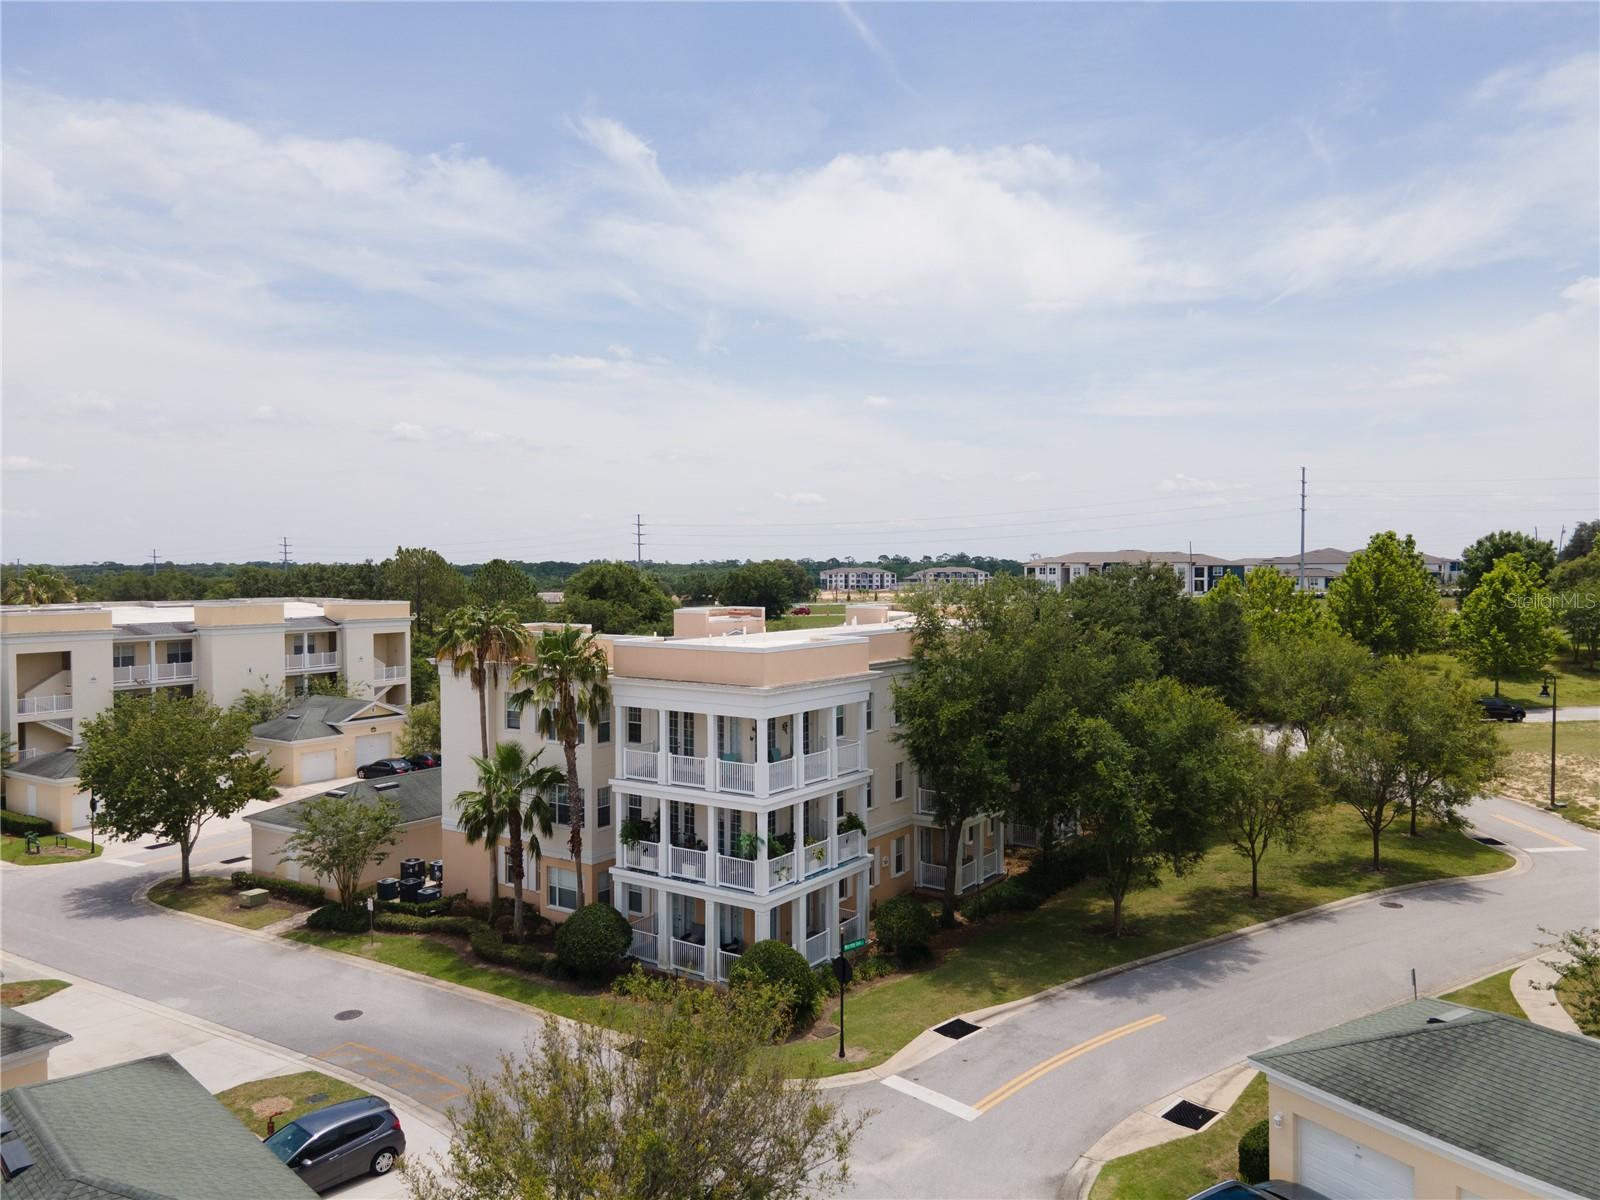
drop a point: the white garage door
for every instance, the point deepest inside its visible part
(80, 810)
(314, 768)
(372, 747)
(1340, 1169)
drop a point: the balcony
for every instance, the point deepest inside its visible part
(852, 929)
(817, 948)
(640, 764)
(383, 673)
(643, 856)
(687, 956)
(780, 871)
(736, 872)
(725, 961)
(644, 938)
(738, 777)
(852, 845)
(318, 661)
(686, 864)
(31, 705)
(849, 756)
(816, 766)
(816, 858)
(927, 798)
(686, 772)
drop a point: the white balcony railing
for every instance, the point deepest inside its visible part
(780, 775)
(686, 956)
(171, 672)
(61, 702)
(138, 673)
(639, 764)
(816, 858)
(780, 870)
(817, 948)
(644, 945)
(736, 777)
(27, 753)
(736, 872)
(851, 845)
(643, 856)
(930, 875)
(311, 662)
(685, 771)
(685, 863)
(382, 672)
(969, 874)
(926, 797)
(725, 961)
(852, 928)
(992, 865)
(816, 766)
(849, 756)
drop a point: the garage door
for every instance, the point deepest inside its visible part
(1341, 1169)
(372, 747)
(80, 810)
(314, 768)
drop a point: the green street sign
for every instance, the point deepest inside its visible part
(855, 945)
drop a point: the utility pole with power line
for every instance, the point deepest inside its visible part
(154, 556)
(1302, 529)
(638, 540)
(285, 542)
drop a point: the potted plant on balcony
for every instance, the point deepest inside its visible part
(851, 823)
(781, 844)
(818, 850)
(745, 845)
(633, 831)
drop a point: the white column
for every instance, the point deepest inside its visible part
(763, 856)
(712, 749)
(663, 930)
(713, 942)
(666, 836)
(833, 829)
(797, 923)
(762, 788)
(661, 745)
(619, 736)
(152, 667)
(831, 909)
(713, 815)
(797, 818)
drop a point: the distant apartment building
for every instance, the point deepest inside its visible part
(947, 574)
(1326, 564)
(61, 664)
(858, 579)
(1199, 573)
(745, 785)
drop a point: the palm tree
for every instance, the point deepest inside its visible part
(566, 681)
(510, 799)
(480, 643)
(39, 585)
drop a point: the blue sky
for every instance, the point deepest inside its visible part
(804, 279)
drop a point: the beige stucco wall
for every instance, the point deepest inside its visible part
(418, 840)
(49, 620)
(802, 662)
(367, 610)
(883, 848)
(233, 660)
(29, 663)
(466, 868)
(58, 801)
(287, 756)
(1436, 1177)
(21, 1074)
(218, 616)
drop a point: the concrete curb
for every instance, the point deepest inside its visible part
(310, 1063)
(918, 1050)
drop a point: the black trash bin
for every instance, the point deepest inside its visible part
(389, 889)
(426, 894)
(409, 889)
(436, 870)
(411, 868)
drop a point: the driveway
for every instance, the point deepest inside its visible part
(1004, 1112)
(1567, 712)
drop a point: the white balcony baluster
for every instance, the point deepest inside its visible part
(780, 870)
(685, 771)
(817, 948)
(780, 775)
(686, 956)
(736, 872)
(725, 960)
(643, 856)
(816, 858)
(685, 863)
(849, 755)
(816, 766)
(44, 704)
(851, 845)
(639, 764)
(736, 777)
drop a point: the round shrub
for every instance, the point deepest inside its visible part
(904, 927)
(1254, 1159)
(781, 965)
(593, 940)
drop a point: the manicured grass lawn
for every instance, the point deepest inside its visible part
(15, 850)
(26, 991)
(1188, 1165)
(1492, 994)
(441, 959)
(1575, 682)
(1061, 941)
(1526, 773)
(284, 1096)
(1567, 993)
(214, 897)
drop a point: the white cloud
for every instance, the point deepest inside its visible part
(22, 463)
(801, 497)
(405, 431)
(875, 401)
(1585, 291)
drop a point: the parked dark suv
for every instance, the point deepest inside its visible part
(424, 761)
(343, 1141)
(1496, 708)
(384, 766)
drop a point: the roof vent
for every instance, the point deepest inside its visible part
(14, 1158)
(386, 787)
(5, 1125)
(1453, 1014)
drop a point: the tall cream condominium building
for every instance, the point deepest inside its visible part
(746, 785)
(61, 664)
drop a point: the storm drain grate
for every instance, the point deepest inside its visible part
(240, 858)
(957, 1029)
(160, 845)
(1190, 1116)
(349, 1014)
(1390, 904)
(1487, 840)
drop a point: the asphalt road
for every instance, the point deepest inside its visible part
(1214, 1005)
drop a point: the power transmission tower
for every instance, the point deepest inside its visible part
(638, 540)
(1302, 529)
(285, 555)
(153, 557)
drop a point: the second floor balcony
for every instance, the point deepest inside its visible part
(50, 702)
(152, 674)
(389, 673)
(319, 660)
(732, 774)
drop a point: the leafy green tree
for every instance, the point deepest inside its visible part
(1576, 963)
(166, 764)
(1145, 602)
(567, 682)
(421, 734)
(39, 585)
(340, 836)
(1448, 753)
(775, 585)
(1219, 645)
(1274, 605)
(1505, 622)
(483, 819)
(616, 597)
(1386, 600)
(1306, 682)
(699, 587)
(1271, 797)
(1162, 779)
(1581, 543)
(1575, 597)
(1360, 763)
(699, 1106)
(498, 584)
(511, 795)
(261, 704)
(1478, 559)
(432, 585)
(482, 643)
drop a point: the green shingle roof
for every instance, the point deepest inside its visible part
(59, 764)
(141, 1130)
(316, 717)
(20, 1033)
(417, 795)
(1507, 1090)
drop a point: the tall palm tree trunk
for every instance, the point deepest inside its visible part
(514, 827)
(577, 802)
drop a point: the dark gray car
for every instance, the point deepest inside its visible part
(341, 1142)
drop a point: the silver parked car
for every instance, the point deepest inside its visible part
(341, 1142)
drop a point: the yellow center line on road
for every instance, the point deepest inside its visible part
(172, 858)
(1006, 1090)
(1537, 832)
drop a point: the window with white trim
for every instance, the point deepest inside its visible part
(513, 715)
(872, 871)
(603, 732)
(636, 808)
(122, 656)
(635, 729)
(561, 888)
(869, 794)
(635, 900)
(602, 802)
(898, 850)
(838, 804)
(869, 712)
(899, 780)
(838, 720)
(559, 802)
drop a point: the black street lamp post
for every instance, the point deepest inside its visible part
(1548, 688)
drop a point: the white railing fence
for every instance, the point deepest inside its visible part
(780, 870)
(686, 864)
(780, 775)
(644, 946)
(816, 858)
(643, 856)
(725, 961)
(851, 845)
(817, 948)
(736, 777)
(852, 928)
(686, 956)
(969, 874)
(849, 756)
(638, 764)
(736, 872)
(930, 875)
(178, 670)
(382, 672)
(816, 766)
(138, 673)
(44, 704)
(686, 771)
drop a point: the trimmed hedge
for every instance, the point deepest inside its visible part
(593, 940)
(904, 927)
(1027, 891)
(1007, 896)
(780, 964)
(1254, 1158)
(332, 918)
(284, 889)
(21, 824)
(486, 942)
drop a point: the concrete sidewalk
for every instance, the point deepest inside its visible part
(108, 1026)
